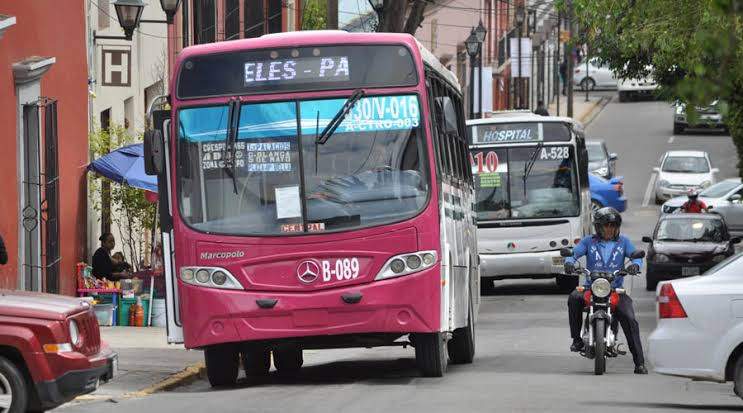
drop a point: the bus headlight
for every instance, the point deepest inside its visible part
(601, 288)
(211, 277)
(405, 264)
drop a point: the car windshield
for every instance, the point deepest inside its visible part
(720, 189)
(550, 190)
(691, 229)
(685, 164)
(595, 152)
(371, 171)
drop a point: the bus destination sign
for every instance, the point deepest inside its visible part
(518, 132)
(299, 70)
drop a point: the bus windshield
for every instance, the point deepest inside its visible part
(370, 171)
(507, 189)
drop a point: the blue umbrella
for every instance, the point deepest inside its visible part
(125, 166)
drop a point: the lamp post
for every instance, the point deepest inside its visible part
(473, 48)
(520, 15)
(378, 6)
(480, 33)
(129, 14)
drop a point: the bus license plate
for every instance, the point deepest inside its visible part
(689, 271)
(558, 261)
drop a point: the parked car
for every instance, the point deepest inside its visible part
(699, 332)
(685, 245)
(680, 171)
(717, 195)
(597, 76)
(708, 117)
(600, 161)
(634, 88)
(607, 192)
(50, 351)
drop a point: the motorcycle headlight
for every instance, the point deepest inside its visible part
(719, 257)
(74, 333)
(601, 288)
(662, 258)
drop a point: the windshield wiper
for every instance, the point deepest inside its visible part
(229, 142)
(529, 165)
(338, 118)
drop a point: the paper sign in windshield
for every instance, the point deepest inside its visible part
(490, 180)
(288, 204)
(253, 156)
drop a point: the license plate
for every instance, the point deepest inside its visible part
(688, 271)
(558, 260)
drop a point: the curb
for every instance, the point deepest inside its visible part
(594, 111)
(183, 377)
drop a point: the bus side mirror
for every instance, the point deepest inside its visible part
(566, 252)
(647, 239)
(153, 152)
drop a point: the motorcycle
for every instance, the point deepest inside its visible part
(601, 300)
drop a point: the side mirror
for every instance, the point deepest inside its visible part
(566, 252)
(715, 170)
(647, 239)
(656, 169)
(735, 240)
(613, 157)
(153, 152)
(638, 254)
(735, 198)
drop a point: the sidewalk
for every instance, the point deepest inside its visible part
(582, 110)
(146, 361)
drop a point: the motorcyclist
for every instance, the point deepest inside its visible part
(694, 204)
(606, 251)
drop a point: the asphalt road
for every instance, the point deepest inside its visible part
(522, 363)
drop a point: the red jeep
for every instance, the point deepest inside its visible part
(50, 351)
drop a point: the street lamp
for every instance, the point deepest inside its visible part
(129, 13)
(480, 33)
(473, 48)
(170, 7)
(520, 15)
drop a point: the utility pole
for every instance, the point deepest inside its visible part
(569, 52)
(332, 21)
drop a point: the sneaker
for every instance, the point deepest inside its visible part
(640, 369)
(577, 345)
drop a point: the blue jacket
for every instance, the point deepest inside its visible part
(604, 255)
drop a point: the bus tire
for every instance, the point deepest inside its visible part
(256, 360)
(431, 354)
(222, 364)
(288, 360)
(461, 347)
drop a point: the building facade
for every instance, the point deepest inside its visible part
(44, 133)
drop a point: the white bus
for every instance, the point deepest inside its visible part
(531, 177)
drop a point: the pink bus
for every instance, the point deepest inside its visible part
(315, 193)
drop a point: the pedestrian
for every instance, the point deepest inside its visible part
(564, 75)
(3, 252)
(541, 110)
(103, 265)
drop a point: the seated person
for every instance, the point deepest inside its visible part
(103, 266)
(119, 263)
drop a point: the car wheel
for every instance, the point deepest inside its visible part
(738, 377)
(13, 388)
(678, 129)
(587, 84)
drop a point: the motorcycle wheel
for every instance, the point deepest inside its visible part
(599, 344)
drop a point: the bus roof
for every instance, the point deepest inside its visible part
(523, 118)
(318, 38)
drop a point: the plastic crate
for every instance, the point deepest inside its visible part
(105, 314)
(124, 305)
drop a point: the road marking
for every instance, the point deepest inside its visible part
(649, 189)
(670, 140)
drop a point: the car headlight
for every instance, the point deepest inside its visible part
(663, 184)
(661, 258)
(601, 288)
(405, 264)
(667, 209)
(680, 109)
(719, 258)
(74, 333)
(705, 184)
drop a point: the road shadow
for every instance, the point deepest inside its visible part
(669, 406)
(524, 287)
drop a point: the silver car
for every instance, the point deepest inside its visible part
(724, 198)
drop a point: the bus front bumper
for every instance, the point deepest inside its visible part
(402, 305)
(546, 264)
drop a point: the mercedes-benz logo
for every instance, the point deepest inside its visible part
(308, 271)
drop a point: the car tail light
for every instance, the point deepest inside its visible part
(669, 305)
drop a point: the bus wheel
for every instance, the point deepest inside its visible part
(256, 360)
(222, 362)
(431, 354)
(462, 345)
(288, 360)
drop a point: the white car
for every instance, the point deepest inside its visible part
(632, 88)
(597, 76)
(718, 195)
(699, 334)
(681, 171)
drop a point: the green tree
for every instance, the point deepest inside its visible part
(313, 14)
(693, 46)
(133, 215)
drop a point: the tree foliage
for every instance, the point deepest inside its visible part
(314, 14)
(694, 48)
(402, 16)
(132, 214)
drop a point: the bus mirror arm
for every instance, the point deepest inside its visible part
(153, 152)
